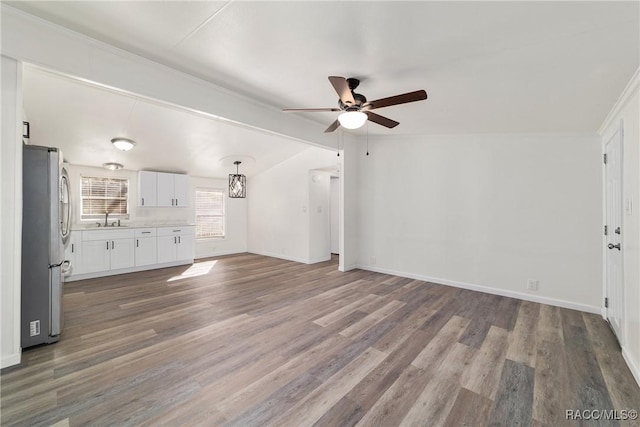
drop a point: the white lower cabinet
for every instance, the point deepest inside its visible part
(121, 254)
(95, 256)
(146, 252)
(72, 253)
(175, 244)
(104, 250)
(94, 251)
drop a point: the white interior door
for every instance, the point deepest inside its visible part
(613, 238)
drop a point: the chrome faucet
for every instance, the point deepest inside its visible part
(106, 218)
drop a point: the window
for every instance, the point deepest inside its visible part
(209, 213)
(100, 195)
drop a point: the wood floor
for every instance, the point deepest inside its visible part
(251, 341)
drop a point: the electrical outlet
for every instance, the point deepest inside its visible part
(532, 284)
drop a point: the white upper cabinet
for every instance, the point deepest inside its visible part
(181, 190)
(163, 189)
(147, 189)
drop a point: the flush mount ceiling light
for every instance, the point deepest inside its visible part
(112, 166)
(237, 184)
(124, 144)
(352, 119)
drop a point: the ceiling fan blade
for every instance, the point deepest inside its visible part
(335, 125)
(381, 120)
(418, 95)
(342, 87)
(313, 110)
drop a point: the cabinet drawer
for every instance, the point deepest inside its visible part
(174, 231)
(145, 232)
(107, 234)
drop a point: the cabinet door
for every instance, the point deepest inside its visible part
(165, 189)
(146, 251)
(147, 188)
(166, 249)
(185, 248)
(181, 190)
(72, 254)
(95, 256)
(121, 253)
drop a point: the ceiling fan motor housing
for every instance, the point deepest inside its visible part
(360, 101)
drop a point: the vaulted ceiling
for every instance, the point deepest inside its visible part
(487, 66)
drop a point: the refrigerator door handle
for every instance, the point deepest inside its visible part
(55, 295)
(65, 267)
(66, 261)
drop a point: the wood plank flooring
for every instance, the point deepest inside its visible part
(248, 340)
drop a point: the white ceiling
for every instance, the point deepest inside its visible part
(487, 66)
(81, 119)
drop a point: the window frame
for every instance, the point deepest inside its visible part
(96, 217)
(223, 215)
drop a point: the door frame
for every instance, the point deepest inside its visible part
(619, 130)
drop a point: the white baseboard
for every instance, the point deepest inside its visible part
(631, 364)
(489, 290)
(84, 276)
(295, 259)
(219, 253)
(321, 259)
(10, 360)
(280, 256)
(349, 267)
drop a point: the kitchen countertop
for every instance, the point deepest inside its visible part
(93, 226)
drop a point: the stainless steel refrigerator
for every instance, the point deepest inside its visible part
(45, 230)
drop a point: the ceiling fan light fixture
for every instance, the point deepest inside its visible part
(352, 119)
(123, 144)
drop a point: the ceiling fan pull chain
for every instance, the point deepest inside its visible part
(367, 138)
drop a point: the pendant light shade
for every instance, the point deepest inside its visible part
(237, 184)
(352, 119)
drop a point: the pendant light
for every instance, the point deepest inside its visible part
(237, 184)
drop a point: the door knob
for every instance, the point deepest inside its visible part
(611, 246)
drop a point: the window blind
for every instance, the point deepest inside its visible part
(100, 195)
(209, 213)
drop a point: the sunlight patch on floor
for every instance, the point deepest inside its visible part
(197, 269)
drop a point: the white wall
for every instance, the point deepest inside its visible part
(235, 240)
(334, 216)
(10, 212)
(279, 207)
(350, 188)
(489, 211)
(628, 110)
(319, 216)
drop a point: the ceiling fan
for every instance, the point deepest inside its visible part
(355, 107)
